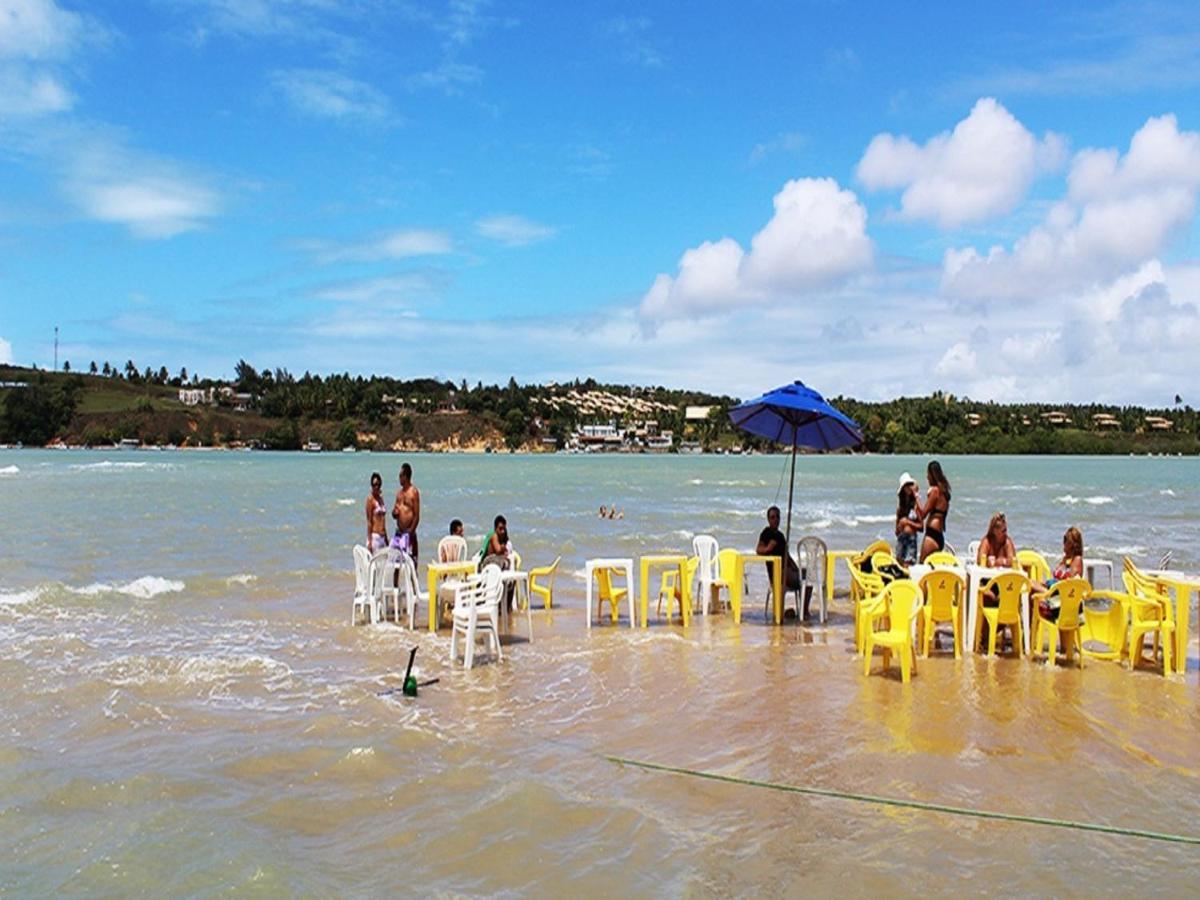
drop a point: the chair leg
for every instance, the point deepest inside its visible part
(957, 637)
(905, 663)
(469, 653)
(992, 629)
(867, 658)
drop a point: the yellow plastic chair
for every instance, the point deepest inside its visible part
(608, 593)
(869, 606)
(1034, 565)
(545, 591)
(1150, 612)
(669, 588)
(1009, 586)
(1105, 626)
(1071, 592)
(945, 594)
(902, 599)
(941, 558)
(857, 561)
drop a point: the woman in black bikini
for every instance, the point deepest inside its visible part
(937, 506)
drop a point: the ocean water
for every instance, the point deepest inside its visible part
(188, 710)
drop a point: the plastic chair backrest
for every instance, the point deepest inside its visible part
(810, 554)
(903, 599)
(943, 589)
(725, 563)
(882, 558)
(941, 558)
(604, 583)
(868, 583)
(380, 564)
(452, 548)
(1034, 565)
(875, 547)
(705, 547)
(973, 551)
(1009, 586)
(1071, 593)
(362, 561)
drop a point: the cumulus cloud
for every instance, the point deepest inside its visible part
(27, 92)
(403, 243)
(816, 238)
(980, 170)
(1119, 212)
(513, 231)
(326, 94)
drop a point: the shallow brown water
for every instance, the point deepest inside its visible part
(174, 772)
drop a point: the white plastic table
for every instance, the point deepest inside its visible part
(624, 564)
(519, 579)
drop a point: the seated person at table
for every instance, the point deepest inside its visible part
(771, 542)
(497, 550)
(996, 551)
(1070, 566)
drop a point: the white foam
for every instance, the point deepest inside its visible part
(346, 501)
(9, 470)
(1130, 550)
(1098, 501)
(1067, 499)
(243, 578)
(19, 598)
(866, 519)
(108, 464)
(143, 588)
(1166, 492)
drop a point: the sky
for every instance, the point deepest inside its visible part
(997, 201)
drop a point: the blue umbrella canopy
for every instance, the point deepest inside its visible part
(796, 416)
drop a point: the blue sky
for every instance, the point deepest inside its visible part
(996, 201)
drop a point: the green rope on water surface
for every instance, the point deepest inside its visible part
(909, 804)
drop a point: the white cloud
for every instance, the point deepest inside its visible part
(28, 92)
(400, 290)
(38, 39)
(391, 245)
(787, 142)
(980, 170)
(331, 95)
(816, 238)
(39, 30)
(1119, 213)
(513, 231)
(152, 197)
(635, 37)
(6, 356)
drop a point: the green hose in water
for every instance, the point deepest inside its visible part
(908, 804)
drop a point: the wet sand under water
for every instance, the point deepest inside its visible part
(276, 766)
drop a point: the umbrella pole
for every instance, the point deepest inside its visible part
(787, 536)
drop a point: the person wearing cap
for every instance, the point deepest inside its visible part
(908, 521)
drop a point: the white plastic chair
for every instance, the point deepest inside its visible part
(410, 587)
(363, 598)
(810, 554)
(379, 569)
(477, 609)
(973, 551)
(708, 572)
(452, 548)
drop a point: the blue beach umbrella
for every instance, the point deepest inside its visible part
(796, 416)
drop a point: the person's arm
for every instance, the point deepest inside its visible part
(416, 509)
(1077, 567)
(396, 510)
(763, 547)
(984, 555)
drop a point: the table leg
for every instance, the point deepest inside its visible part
(830, 571)
(632, 599)
(735, 589)
(1026, 622)
(973, 614)
(777, 569)
(589, 595)
(646, 595)
(1183, 612)
(431, 583)
(685, 595)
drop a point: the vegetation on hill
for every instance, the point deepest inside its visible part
(276, 409)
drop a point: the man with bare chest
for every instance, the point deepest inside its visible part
(407, 513)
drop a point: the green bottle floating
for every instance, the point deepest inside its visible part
(410, 686)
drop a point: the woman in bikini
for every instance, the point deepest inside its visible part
(376, 509)
(937, 506)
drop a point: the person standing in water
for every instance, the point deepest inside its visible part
(908, 521)
(407, 513)
(376, 510)
(935, 510)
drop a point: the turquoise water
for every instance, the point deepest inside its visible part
(188, 710)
